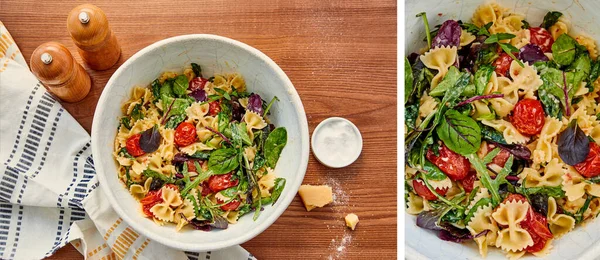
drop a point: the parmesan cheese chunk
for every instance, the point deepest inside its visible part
(351, 220)
(315, 196)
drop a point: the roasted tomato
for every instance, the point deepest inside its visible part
(590, 167)
(502, 64)
(185, 134)
(469, 181)
(514, 196)
(152, 198)
(197, 83)
(454, 165)
(206, 189)
(233, 205)
(192, 167)
(501, 157)
(133, 145)
(528, 116)
(218, 183)
(214, 107)
(422, 190)
(542, 38)
(537, 226)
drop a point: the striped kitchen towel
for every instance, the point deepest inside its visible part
(49, 192)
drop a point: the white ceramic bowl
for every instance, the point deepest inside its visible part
(581, 243)
(215, 54)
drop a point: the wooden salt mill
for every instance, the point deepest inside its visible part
(55, 67)
(96, 42)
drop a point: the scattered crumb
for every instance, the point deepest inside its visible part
(338, 247)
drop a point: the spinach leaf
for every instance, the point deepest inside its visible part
(593, 75)
(582, 63)
(433, 172)
(202, 155)
(487, 55)
(411, 113)
(277, 189)
(239, 132)
(174, 121)
(447, 82)
(482, 77)
(177, 105)
(155, 86)
(223, 124)
(424, 16)
(564, 49)
(550, 19)
(180, 85)
(197, 70)
(552, 191)
(156, 175)
(494, 38)
(408, 80)
(136, 112)
(573, 144)
(166, 90)
(126, 122)
(550, 102)
(460, 133)
(274, 144)
(223, 160)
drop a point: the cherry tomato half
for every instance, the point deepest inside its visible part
(218, 183)
(502, 64)
(422, 190)
(590, 167)
(214, 107)
(133, 145)
(542, 38)
(528, 116)
(197, 83)
(185, 134)
(233, 205)
(454, 165)
(469, 181)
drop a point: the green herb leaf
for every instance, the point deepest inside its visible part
(155, 86)
(491, 134)
(564, 50)
(525, 24)
(223, 160)
(433, 172)
(469, 27)
(180, 85)
(447, 82)
(277, 189)
(166, 90)
(550, 19)
(202, 155)
(494, 38)
(240, 133)
(460, 133)
(482, 77)
(123, 152)
(509, 49)
(155, 175)
(274, 144)
(126, 122)
(484, 30)
(136, 112)
(197, 70)
(408, 80)
(480, 203)
(491, 155)
(556, 192)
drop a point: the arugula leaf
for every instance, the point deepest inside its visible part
(482, 77)
(408, 79)
(480, 203)
(223, 160)
(128, 181)
(469, 27)
(491, 155)
(223, 123)
(180, 85)
(487, 55)
(197, 70)
(123, 152)
(579, 215)
(136, 112)
(424, 16)
(223, 93)
(156, 175)
(564, 49)
(509, 49)
(447, 82)
(484, 30)
(493, 186)
(274, 144)
(550, 19)
(460, 133)
(494, 38)
(551, 191)
(126, 122)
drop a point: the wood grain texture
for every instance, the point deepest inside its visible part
(341, 57)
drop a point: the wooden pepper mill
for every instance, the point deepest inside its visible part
(55, 67)
(96, 42)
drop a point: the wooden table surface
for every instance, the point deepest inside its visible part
(341, 57)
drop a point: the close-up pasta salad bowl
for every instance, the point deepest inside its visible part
(502, 130)
(200, 142)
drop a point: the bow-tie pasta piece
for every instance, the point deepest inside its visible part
(559, 224)
(510, 133)
(513, 237)
(440, 59)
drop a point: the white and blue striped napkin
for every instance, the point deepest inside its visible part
(49, 192)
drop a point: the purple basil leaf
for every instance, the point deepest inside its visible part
(180, 158)
(531, 53)
(454, 234)
(448, 35)
(179, 176)
(519, 151)
(220, 223)
(255, 104)
(203, 225)
(428, 220)
(150, 140)
(468, 55)
(199, 95)
(237, 110)
(412, 58)
(573, 144)
(475, 98)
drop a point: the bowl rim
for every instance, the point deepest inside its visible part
(284, 200)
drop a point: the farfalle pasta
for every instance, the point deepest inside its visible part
(198, 152)
(502, 136)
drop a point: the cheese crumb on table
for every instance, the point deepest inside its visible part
(315, 196)
(351, 220)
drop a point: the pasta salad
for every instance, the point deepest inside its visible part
(502, 133)
(199, 151)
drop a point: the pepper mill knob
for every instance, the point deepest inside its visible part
(96, 42)
(55, 67)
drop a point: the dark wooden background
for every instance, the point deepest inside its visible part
(341, 57)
